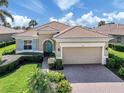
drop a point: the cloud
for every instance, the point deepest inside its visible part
(89, 19)
(19, 21)
(32, 5)
(114, 15)
(119, 4)
(66, 4)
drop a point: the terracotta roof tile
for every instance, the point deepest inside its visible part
(78, 32)
(28, 33)
(56, 25)
(6, 30)
(111, 29)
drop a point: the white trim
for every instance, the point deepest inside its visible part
(58, 57)
(47, 40)
(26, 38)
(102, 45)
(82, 44)
(85, 39)
(22, 51)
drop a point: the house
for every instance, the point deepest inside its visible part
(6, 33)
(74, 45)
(114, 30)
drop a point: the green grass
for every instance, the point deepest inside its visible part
(7, 48)
(117, 53)
(16, 82)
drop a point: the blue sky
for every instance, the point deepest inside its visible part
(73, 12)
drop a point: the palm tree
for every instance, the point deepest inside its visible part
(33, 23)
(3, 13)
(101, 23)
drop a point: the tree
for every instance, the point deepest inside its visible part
(3, 13)
(40, 83)
(101, 23)
(33, 23)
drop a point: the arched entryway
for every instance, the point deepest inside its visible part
(48, 47)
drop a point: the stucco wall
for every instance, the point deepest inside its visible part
(5, 37)
(41, 39)
(58, 52)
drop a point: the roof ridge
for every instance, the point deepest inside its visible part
(96, 32)
(46, 26)
(52, 22)
(64, 31)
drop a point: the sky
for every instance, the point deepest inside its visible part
(73, 12)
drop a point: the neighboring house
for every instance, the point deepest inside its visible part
(74, 45)
(114, 30)
(6, 33)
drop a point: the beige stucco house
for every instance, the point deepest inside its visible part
(7, 33)
(74, 45)
(114, 30)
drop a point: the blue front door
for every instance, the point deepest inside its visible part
(48, 47)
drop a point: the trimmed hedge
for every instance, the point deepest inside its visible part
(114, 61)
(10, 64)
(17, 60)
(4, 44)
(117, 47)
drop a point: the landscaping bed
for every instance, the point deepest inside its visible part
(12, 62)
(116, 62)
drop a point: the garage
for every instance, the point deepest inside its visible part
(82, 55)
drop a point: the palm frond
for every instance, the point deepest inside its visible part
(4, 3)
(5, 13)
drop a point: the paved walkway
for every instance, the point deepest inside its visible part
(93, 79)
(45, 64)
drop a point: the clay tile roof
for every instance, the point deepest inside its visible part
(56, 25)
(78, 32)
(28, 33)
(111, 29)
(6, 30)
(47, 28)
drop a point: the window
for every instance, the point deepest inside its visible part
(119, 39)
(27, 44)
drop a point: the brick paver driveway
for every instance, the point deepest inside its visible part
(93, 79)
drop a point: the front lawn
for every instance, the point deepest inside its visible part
(16, 82)
(116, 53)
(8, 49)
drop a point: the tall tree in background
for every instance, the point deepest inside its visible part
(101, 23)
(33, 23)
(3, 13)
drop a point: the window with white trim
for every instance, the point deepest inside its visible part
(27, 44)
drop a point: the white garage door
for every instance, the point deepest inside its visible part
(82, 55)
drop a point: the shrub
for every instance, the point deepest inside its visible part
(31, 57)
(16, 60)
(56, 76)
(4, 44)
(117, 47)
(64, 87)
(40, 83)
(111, 55)
(121, 71)
(0, 57)
(58, 64)
(9, 51)
(10, 64)
(111, 63)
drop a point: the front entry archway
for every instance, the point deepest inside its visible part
(48, 47)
